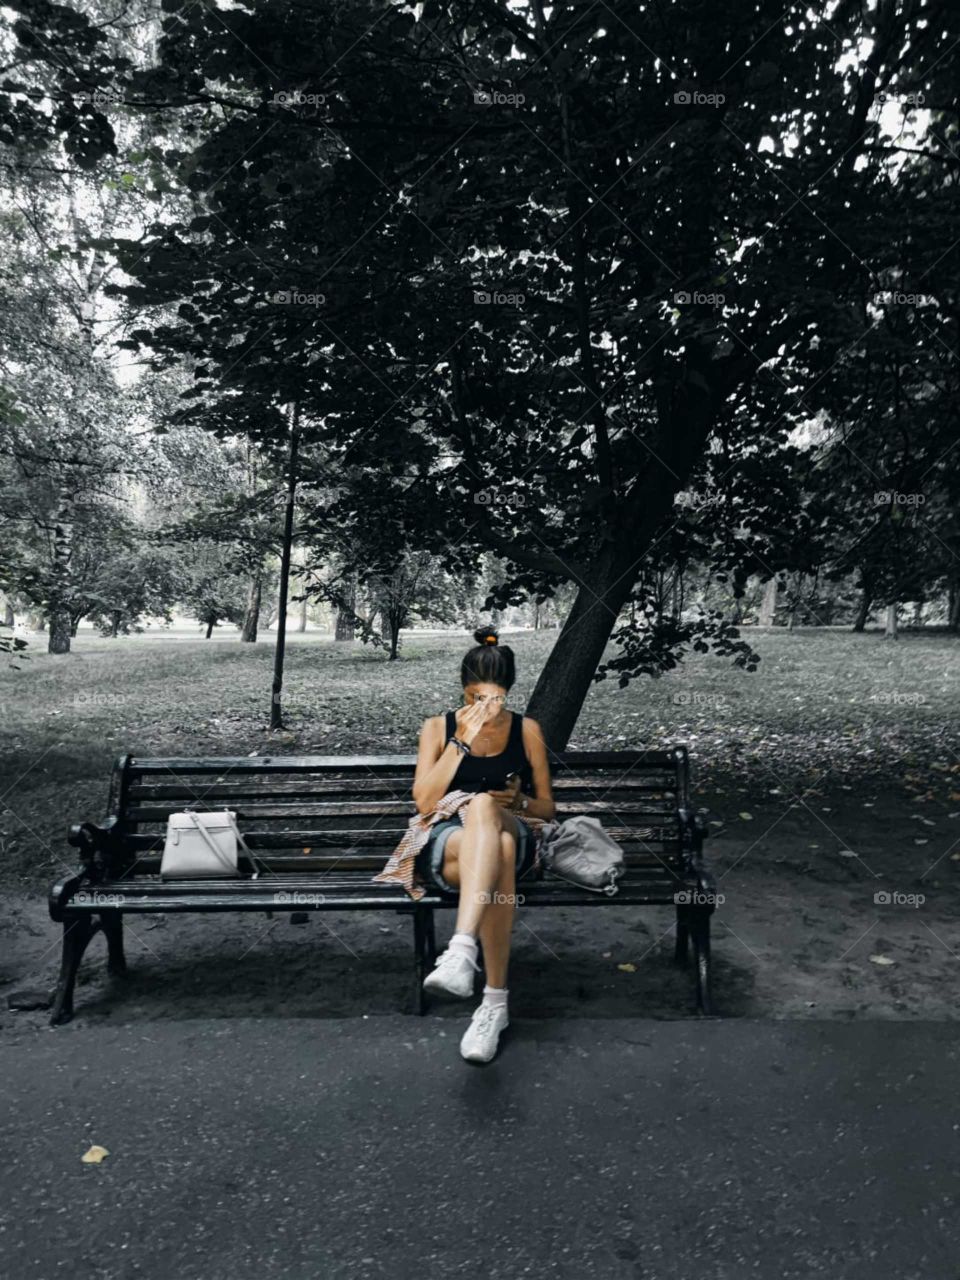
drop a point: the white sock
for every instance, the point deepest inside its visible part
(497, 996)
(466, 943)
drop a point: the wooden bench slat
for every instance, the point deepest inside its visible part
(149, 863)
(392, 808)
(147, 766)
(272, 787)
(313, 878)
(383, 837)
(250, 895)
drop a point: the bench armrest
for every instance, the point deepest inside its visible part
(100, 847)
(61, 893)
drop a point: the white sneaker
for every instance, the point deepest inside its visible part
(480, 1040)
(452, 975)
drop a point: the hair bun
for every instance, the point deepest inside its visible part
(485, 635)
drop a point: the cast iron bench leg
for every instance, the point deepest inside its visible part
(77, 933)
(700, 932)
(682, 950)
(112, 924)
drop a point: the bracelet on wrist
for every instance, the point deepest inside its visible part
(462, 747)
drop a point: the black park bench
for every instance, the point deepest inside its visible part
(321, 826)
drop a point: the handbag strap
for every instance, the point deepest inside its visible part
(254, 862)
(212, 844)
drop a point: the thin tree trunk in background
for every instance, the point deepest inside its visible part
(302, 604)
(953, 607)
(251, 619)
(890, 625)
(918, 614)
(863, 613)
(60, 619)
(346, 626)
(59, 641)
(9, 618)
(276, 714)
(210, 625)
(115, 623)
(768, 605)
(796, 602)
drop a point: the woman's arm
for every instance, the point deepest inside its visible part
(436, 763)
(541, 804)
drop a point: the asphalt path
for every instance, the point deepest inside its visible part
(364, 1148)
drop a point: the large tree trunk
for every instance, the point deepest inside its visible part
(251, 619)
(890, 623)
(606, 585)
(569, 670)
(346, 626)
(768, 605)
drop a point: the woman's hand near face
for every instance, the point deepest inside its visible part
(470, 720)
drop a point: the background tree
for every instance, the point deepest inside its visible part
(535, 365)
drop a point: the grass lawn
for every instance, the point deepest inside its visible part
(857, 706)
(830, 774)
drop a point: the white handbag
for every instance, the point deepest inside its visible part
(580, 851)
(200, 846)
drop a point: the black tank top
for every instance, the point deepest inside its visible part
(489, 773)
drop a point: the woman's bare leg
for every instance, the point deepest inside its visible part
(473, 858)
(496, 926)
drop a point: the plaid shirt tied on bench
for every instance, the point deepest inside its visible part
(401, 866)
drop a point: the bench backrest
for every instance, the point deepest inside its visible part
(315, 812)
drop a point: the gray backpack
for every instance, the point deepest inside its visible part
(579, 850)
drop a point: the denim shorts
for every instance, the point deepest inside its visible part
(429, 860)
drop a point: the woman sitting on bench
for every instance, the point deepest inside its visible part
(501, 757)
